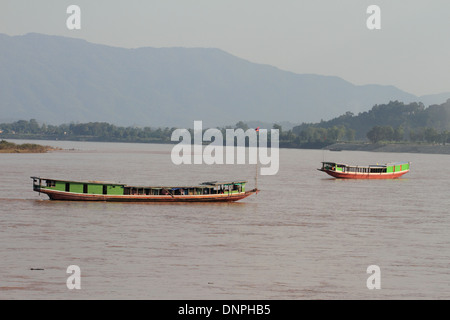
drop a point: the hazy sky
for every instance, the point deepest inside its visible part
(328, 37)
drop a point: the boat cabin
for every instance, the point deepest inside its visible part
(344, 168)
(109, 188)
(88, 187)
(204, 188)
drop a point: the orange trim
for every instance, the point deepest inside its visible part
(356, 175)
(69, 196)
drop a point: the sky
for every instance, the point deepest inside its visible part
(411, 50)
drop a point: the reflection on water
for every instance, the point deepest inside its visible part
(304, 236)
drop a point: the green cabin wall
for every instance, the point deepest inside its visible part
(114, 190)
(60, 186)
(400, 167)
(77, 187)
(95, 189)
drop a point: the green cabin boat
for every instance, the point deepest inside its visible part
(213, 191)
(345, 171)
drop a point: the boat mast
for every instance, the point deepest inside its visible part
(257, 149)
(256, 175)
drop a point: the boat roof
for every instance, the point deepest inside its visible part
(81, 181)
(202, 185)
(216, 183)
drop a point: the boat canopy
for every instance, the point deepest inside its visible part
(221, 183)
(203, 185)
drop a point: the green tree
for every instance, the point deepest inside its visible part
(350, 134)
(241, 125)
(431, 135)
(278, 127)
(380, 133)
(399, 133)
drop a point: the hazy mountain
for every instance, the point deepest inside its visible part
(431, 99)
(60, 80)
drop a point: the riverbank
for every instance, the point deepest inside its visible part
(391, 147)
(9, 147)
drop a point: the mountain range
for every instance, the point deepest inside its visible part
(58, 80)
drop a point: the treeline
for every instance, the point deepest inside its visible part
(92, 131)
(100, 131)
(392, 122)
(387, 133)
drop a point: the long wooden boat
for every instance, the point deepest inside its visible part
(344, 171)
(108, 191)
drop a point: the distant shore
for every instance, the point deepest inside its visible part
(391, 147)
(9, 147)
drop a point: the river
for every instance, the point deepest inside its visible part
(305, 235)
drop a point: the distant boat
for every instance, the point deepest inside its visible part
(108, 191)
(344, 171)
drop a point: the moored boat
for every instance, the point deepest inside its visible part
(108, 191)
(344, 171)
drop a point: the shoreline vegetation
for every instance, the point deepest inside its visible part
(392, 127)
(383, 146)
(10, 147)
(406, 147)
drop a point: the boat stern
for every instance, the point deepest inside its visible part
(37, 184)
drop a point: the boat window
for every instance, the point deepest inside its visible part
(85, 188)
(67, 187)
(51, 183)
(105, 189)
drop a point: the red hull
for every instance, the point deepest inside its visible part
(353, 175)
(67, 196)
